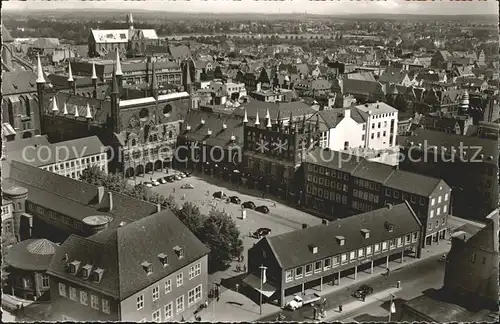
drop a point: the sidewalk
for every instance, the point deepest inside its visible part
(354, 305)
(235, 307)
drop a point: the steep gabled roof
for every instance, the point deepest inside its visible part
(120, 253)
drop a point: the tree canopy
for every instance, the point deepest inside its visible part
(220, 234)
(191, 216)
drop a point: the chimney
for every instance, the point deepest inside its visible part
(347, 113)
(110, 196)
(100, 193)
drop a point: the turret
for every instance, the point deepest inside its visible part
(94, 81)
(268, 119)
(71, 81)
(245, 118)
(40, 86)
(257, 121)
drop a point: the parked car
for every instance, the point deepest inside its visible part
(299, 301)
(248, 204)
(148, 184)
(235, 200)
(182, 174)
(219, 194)
(262, 209)
(363, 291)
(155, 183)
(186, 174)
(162, 181)
(170, 178)
(187, 186)
(261, 232)
(177, 177)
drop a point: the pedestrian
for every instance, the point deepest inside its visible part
(340, 308)
(364, 297)
(244, 268)
(388, 272)
(173, 189)
(250, 233)
(263, 195)
(242, 258)
(206, 303)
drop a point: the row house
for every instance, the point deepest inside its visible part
(152, 270)
(328, 253)
(338, 185)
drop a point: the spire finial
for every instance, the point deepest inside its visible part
(54, 105)
(89, 112)
(257, 121)
(245, 118)
(118, 69)
(70, 73)
(65, 110)
(94, 74)
(76, 112)
(40, 78)
(269, 123)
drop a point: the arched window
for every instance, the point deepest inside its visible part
(134, 142)
(155, 137)
(27, 135)
(28, 108)
(143, 114)
(150, 138)
(170, 134)
(167, 109)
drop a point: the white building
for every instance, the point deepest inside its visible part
(231, 90)
(68, 158)
(370, 127)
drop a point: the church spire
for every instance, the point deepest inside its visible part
(154, 83)
(118, 66)
(130, 21)
(40, 78)
(70, 73)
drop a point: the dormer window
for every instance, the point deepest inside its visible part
(163, 259)
(74, 266)
(147, 267)
(313, 248)
(86, 271)
(179, 251)
(340, 240)
(365, 233)
(389, 227)
(97, 275)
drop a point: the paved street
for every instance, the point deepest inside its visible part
(414, 278)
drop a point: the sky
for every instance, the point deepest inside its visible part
(331, 7)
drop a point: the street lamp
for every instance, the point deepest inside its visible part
(392, 307)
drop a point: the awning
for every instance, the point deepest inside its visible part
(253, 281)
(7, 129)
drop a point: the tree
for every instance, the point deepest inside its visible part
(191, 216)
(169, 203)
(7, 239)
(95, 176)
(220, 234)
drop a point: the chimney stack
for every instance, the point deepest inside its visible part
(110, 196)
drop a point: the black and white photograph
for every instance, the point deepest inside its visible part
(250, 161)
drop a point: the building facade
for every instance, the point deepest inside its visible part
(326, 253)
(339, 185)
(67, 158)
(274, 152)
(372, 127)
(126, 274)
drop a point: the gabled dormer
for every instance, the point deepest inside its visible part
(97, 275)
(163, 259)
(148, 267)
(74, 266)
(179, 251)
(86, 270)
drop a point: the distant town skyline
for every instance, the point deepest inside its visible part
(340, 7)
